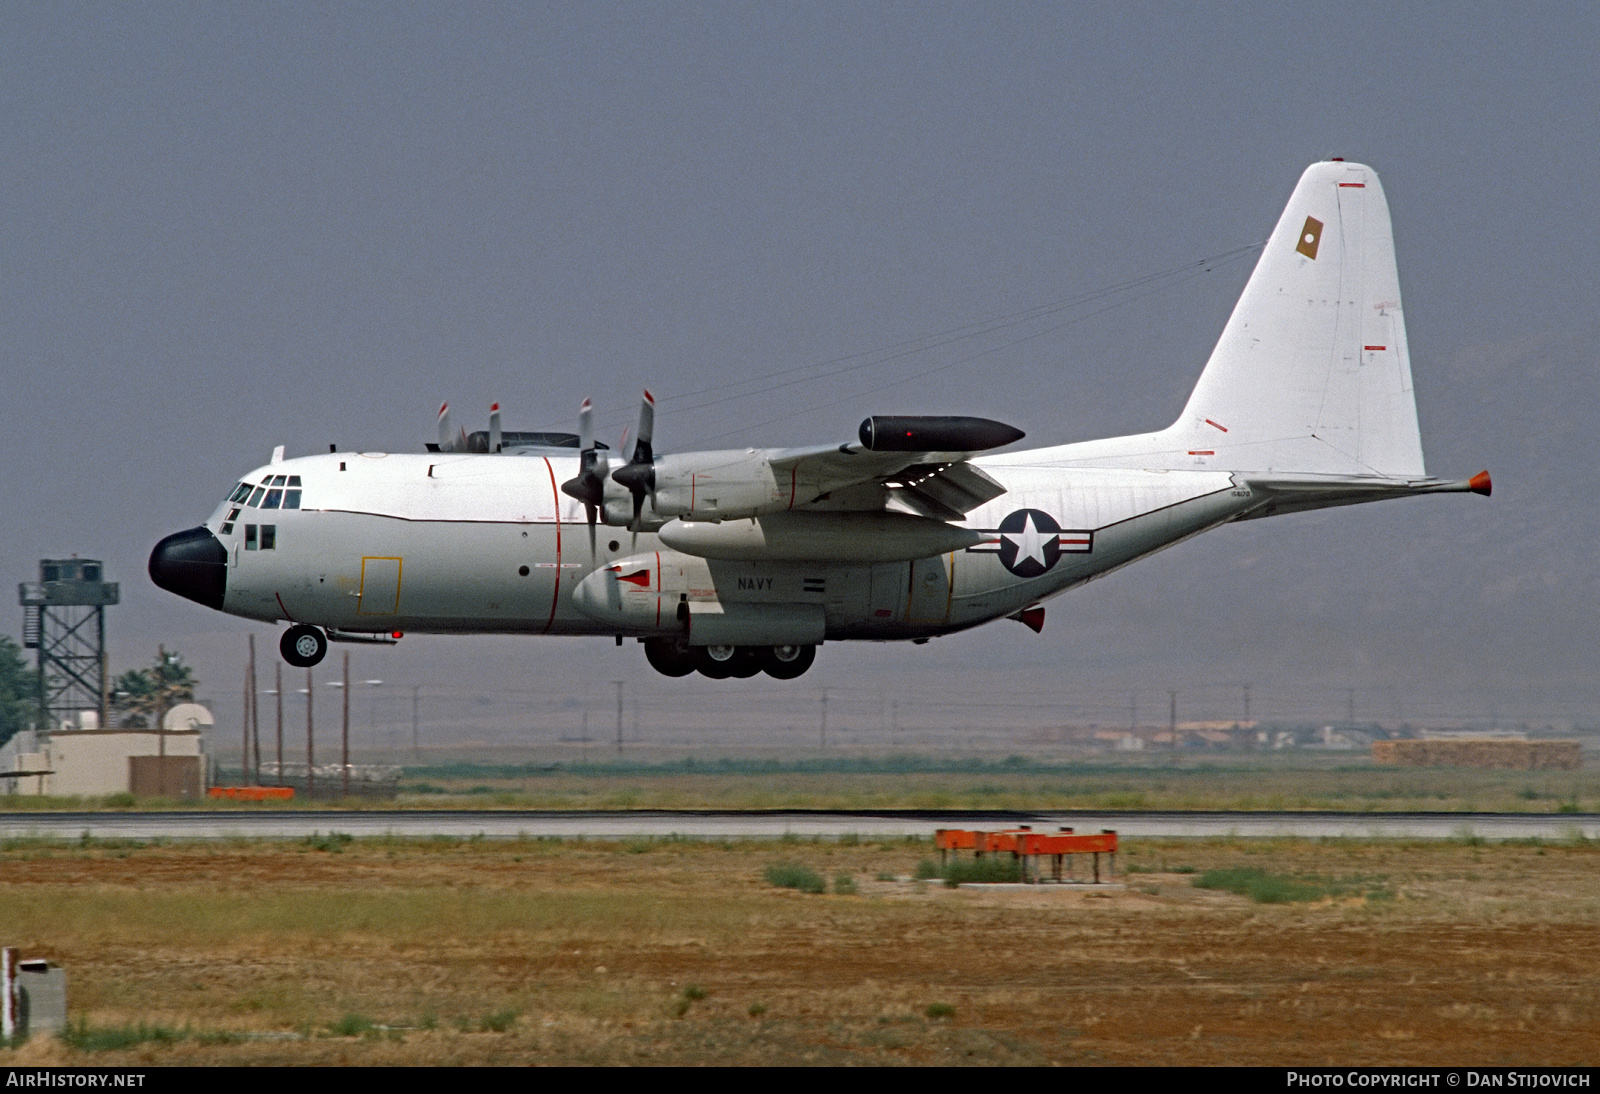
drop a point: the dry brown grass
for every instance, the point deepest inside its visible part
(678, 952)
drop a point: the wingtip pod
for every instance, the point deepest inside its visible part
(934, 433)
(1480, 484)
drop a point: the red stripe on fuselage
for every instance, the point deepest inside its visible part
(555, 596)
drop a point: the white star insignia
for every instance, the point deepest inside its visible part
(1030, 541)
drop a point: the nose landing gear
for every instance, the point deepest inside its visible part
(303, 646)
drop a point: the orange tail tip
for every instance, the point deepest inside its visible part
(1480, 484)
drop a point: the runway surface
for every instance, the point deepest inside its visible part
(510, 824)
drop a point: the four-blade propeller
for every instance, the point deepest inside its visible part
(589, 486)
(638, 475)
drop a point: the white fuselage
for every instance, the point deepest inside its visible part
(458, 543)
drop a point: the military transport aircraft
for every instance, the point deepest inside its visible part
(731, 563)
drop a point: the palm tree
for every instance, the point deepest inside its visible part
(150, 693)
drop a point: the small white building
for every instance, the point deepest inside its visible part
(95, 762)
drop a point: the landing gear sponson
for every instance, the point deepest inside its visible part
(305, 646)
(670, 658)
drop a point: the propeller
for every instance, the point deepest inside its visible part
(638, 475)
(589, 486)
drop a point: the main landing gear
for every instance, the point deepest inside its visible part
(303, 646)
(721, 662)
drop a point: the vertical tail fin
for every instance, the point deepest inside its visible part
(1311, 374)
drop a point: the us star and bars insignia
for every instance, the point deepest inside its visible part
(1030, 542)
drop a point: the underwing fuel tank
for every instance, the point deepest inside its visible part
(819, 537)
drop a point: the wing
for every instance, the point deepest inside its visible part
(940, 485)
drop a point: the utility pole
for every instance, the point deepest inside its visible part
(1247, 703)
(255, 713)
(311, 762)
(344, 745)
(618, 683)
(277, 686)
(824, 732)
(416, 742)
(1172, 717)
(244, 724)
(1350, 707)
(1133, 712)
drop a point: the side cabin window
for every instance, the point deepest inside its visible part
(260, 537)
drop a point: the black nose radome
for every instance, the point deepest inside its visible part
(193, 564)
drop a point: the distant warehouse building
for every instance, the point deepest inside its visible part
(1492, 753)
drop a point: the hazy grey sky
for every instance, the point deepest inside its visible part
(227, 227)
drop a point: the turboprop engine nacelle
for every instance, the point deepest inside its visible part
(711, 486)
(719, 485)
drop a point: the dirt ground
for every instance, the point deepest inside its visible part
(549, 952)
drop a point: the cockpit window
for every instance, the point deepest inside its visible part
(271, 494)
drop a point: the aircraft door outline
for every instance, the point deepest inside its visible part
(380, 586)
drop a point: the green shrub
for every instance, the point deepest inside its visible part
(991, 869)
(499, 1021)
(352, 1025)
(108, 1038)
(792, 875)
(1260, 886)
(333, 841)
(940, 1010)
(844, 885)
(927, 870)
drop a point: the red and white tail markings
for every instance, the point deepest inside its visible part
(1217, 425)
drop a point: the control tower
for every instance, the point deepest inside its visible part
(64, 618)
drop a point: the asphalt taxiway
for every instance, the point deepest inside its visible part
(776, 824)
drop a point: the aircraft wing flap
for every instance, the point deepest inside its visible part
(835, 467)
